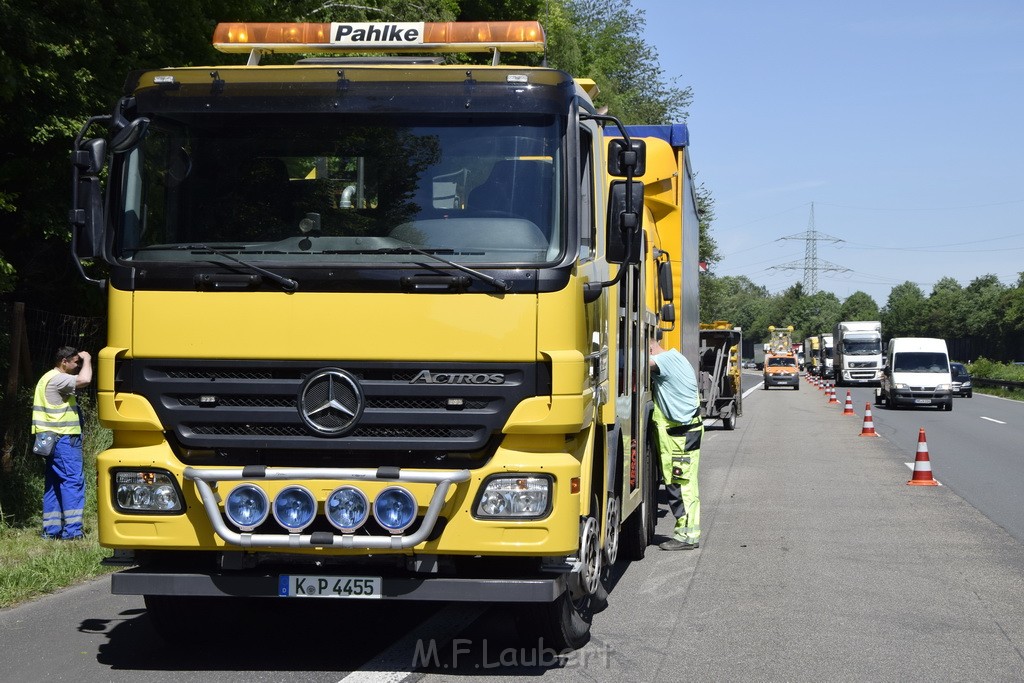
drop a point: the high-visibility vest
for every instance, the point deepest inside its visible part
(60, 418)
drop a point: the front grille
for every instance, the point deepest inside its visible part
(253, 405)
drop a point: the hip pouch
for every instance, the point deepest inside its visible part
(44, 443)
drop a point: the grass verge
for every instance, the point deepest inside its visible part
(31, 566)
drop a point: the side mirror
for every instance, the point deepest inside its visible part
(129, 137)
(86, 215)
(668, 313)
(625, 161)
(665, 280)
(625, 223)
(89, 158)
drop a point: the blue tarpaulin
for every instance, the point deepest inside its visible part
(675, 134)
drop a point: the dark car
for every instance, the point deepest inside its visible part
(961, 380)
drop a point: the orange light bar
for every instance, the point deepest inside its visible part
(452, 36)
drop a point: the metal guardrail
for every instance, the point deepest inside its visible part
(1002, 383)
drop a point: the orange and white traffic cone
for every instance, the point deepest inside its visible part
(832, 394)
(848, 408)
(869, 425)
(922, 465)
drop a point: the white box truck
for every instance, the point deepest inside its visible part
(916, 374)
(857, 353)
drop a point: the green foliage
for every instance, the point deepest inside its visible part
(586, 39)
(859, 306)
(31, 565)
(988, 369)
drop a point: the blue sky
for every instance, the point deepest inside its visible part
(901, 121)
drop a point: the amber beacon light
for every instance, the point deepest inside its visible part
(452, 36)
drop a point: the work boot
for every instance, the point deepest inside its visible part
(676, 544)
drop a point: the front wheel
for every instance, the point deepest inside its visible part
(565, 623)
(729, 423)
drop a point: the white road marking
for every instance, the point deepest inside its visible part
(991, 419)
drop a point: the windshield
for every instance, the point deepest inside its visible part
(782, 361)
(307, 191)
(920, 361)
(862, 347)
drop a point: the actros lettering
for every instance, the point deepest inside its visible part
(427, 377)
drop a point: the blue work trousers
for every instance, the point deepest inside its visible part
(64, 489)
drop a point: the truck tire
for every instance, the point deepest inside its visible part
(638, 530)
(565, 622)
(729, 422)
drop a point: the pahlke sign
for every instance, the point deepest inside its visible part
(405, 33)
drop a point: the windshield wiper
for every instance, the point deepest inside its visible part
(497, 282)
(287, 284)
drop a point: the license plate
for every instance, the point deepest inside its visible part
(922, 400)
(356, 587)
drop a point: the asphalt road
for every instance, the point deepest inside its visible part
(818, 562)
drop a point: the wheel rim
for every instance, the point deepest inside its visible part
(588, 579)
(613, 529)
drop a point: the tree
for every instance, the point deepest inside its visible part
(586, 39)
(707, 251)
(947, 308)
(906, 311)
(859, 306)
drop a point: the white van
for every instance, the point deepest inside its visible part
(916, 374)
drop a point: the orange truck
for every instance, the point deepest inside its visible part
(780, 366)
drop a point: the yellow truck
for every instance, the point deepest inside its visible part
(378, 326)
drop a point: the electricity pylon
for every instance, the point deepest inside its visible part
(812, 264)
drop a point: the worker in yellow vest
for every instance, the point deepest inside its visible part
(55, 410)
(679, 427)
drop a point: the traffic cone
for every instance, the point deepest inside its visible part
(848, 408)
(922, 465)
(832, 394)
(869, 425)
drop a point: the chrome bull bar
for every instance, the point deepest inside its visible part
(205, 479)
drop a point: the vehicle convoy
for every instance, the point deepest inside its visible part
(721, 389)
(812, 356)
(826, 353)
(780, 366)
(857, 353)
(378, 326)
(916, 374)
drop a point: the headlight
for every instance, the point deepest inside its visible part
(146, 492)
(247, 507)
(395, 509)
(966, 384)
(900, 386)
(294, 508)
(943, 387)
(347, 508)
(521, 497)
